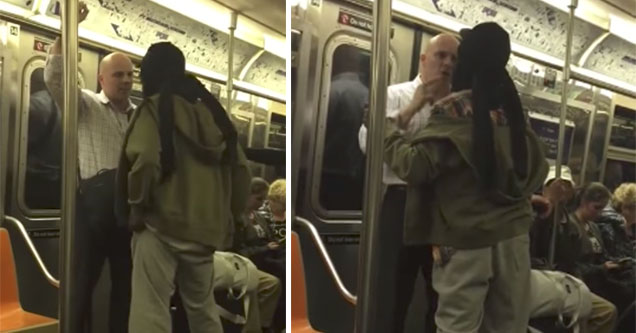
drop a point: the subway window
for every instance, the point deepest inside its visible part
(44, 147)
(343, 163)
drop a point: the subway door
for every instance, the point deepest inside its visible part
(333, 165)
(35, 169)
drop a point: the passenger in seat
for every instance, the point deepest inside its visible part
(617, 222)
(276, 207)
(609, 277)
(603, 315)
(182, 176)
(481, 163)
(255, 239)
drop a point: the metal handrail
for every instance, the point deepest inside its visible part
(368, 267)
(68, 271)
(315, 236)
(34, 251)
(564, 102)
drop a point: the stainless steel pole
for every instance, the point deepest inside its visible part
(69, 157)
(230, 64)
(588, 136)
(368, 268)
(564, 107)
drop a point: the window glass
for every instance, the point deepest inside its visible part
(623, 128)
(277, 130)
(343, 163)
(618, 172)
(44, 147)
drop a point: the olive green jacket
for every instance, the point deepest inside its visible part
(445, 203)
(197, 202)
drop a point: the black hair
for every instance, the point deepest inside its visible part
(481, 67)
(592, 192)
(163, 73)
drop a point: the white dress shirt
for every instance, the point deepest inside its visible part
(398, 97)
(101, 128)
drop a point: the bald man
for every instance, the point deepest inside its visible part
(102, 124)
(411, 102)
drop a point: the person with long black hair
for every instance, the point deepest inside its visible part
(471, 172)
(182, 178)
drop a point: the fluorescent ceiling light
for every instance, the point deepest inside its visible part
(243, 97)
(209, 13)
(13, 9)
(587, 11)
(206, 73)
(263, 103)
(604, 78)
(3, 34)
(421, 14)
(623, 28)
(301, 3)
(607, 93)
(260, 90)
(44, 5)
(50, 22)
(276, 46)
(528, 52)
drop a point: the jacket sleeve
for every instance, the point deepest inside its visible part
(413, 163)
(241, 178)
(142, 151)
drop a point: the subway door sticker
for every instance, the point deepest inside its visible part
(357, 21)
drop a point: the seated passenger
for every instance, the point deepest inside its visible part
(482, 163)
(617, 222)
(602, 318)
(610, 277)
(184, 177)
(255, 239)
(240, 275)
(276, 205)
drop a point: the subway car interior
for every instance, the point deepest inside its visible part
(234, 47)
(331, 188)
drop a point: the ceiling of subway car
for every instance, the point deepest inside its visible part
(628, 6)
(268, 12)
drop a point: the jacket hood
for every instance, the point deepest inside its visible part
(196, 126)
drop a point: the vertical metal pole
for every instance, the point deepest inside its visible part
(588, 137)
(368, 280)
(564, 106)
(230, 64)
(3, 111)
(608, 135)
(69, 156)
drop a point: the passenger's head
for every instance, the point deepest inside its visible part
(276, 197)
(163, 73)
(116, 77)
(481, 67)
(258, 192)
(562, 189)
(624, 201)
(37, 80)
(346, 59)
(163, 62)
(592, 199)
(438, 57)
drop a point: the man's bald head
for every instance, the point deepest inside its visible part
(438, 57)
(115, 77)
